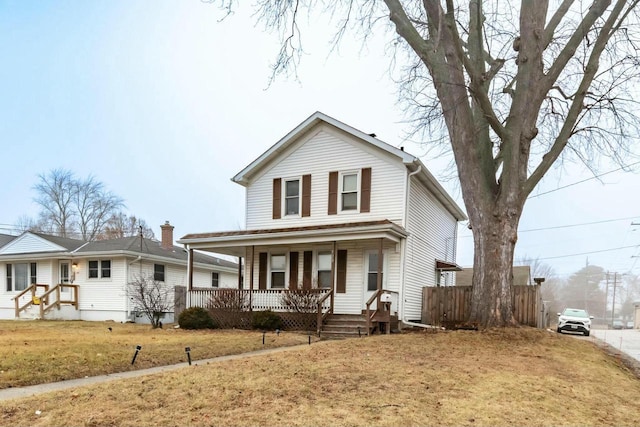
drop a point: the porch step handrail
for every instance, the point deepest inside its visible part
(44, 298)
(32, 288)
(373, 315)
(323, 315)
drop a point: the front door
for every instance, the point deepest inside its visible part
(64, 279)
(371, 275)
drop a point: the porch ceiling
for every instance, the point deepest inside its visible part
(235, 242)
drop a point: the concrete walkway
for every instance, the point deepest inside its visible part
(18, 392)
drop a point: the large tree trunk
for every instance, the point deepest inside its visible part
(494, 245)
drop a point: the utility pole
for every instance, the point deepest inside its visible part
(606, 298)
(613, 303)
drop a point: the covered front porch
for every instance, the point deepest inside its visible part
(337, 269)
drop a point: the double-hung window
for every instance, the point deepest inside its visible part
(324, 269)
(349, 191)
(158, 272)
(99, 269)
(278, 267)
(292, 197)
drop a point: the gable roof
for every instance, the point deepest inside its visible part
(412, 163)
(39, 243)
(5, 238)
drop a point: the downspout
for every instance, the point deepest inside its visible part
(420, 325)
(403, 248)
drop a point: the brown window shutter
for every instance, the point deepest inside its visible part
(341, 267)
(277, 198)
(262, 270)
(306, 195)
(293, 270)
(333, 193)
(306, 269)
(365, 192)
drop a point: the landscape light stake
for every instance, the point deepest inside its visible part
(263, 334)
(138, 348)
(188, 351)
(359, 333)
(309, 339)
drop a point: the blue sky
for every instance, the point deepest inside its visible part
(164, 104)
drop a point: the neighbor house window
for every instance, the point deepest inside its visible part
(20, 276)
(215, 279)
(9, 277)
(292, 197)
(349, 192)
(158, 272)
(278, 265)
(99, 269)
(324, 269)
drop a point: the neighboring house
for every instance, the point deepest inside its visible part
(88, 280)
(333, 208)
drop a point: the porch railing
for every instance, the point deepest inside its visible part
(57, 300)
(252, 300)
(385, 301)
(325, 308)
(34, 298)
(42, 299)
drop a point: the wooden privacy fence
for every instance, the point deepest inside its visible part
(450, 305)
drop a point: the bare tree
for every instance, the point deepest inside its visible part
(151, 298)
(84, 208)
(95, 206)
(121, 225)
(56, 192)
(518, 87)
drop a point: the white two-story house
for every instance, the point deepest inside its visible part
(333, 208)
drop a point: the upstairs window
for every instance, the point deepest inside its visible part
(158, 272)
(349, 192)
(292, 197)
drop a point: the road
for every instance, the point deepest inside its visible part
(625, 340)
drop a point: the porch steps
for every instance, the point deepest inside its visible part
(339, 326)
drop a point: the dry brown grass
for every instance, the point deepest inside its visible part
(503, 377)
(36, 352)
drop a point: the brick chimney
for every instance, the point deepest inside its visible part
(167, 235)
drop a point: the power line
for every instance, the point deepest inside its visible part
(584, 180)
(570, 225)
(588, 253)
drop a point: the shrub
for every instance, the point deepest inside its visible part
(196, 318)
(266, 320)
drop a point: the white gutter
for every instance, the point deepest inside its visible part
(403, 249)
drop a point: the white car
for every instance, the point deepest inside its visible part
(574, 320)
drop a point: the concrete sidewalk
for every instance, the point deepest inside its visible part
(18, 392)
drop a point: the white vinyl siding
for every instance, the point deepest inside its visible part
(310, 155)
(432, 231)
(352, 301)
